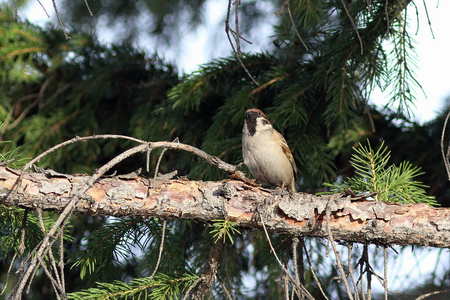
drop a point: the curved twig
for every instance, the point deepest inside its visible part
(338, 257)
(445, 157)
(61, 23)
(354, 26)
(287, 4)
(161, 246)
(228, 29)
(299, 289)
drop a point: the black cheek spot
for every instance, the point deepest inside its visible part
(265, 122)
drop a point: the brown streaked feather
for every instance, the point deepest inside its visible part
(287, 151)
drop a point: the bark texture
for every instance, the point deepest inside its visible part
(352, 220)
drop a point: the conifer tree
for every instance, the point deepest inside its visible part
(314, 83)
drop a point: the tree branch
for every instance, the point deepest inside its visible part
(353, 220)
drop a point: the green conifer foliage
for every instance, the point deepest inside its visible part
(317, 96)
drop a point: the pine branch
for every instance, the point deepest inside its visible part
(357, 221)
(388, 183)
(162, 286)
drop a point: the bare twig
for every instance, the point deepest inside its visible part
(56, 286)
(212, 160)
(354, 26)
(161, 247)
(428, 18)
(193, 285)
(88, 8)
(43, 7)
(147, 159)
(286, 285)
(56, 281)
(350, 270)
(21, 116)
(367, 270)
(61, 259)
(225, 290)
(176, 140)
(386, 12)
(316, 279)
(16, 9)
(27, 271)
(444, 156)
(236, 22)
(361, 272)
(20, 250)
(385, 280)
(55, 7)
(432, 294)
(288, 6)
(336, 253)
(300, 290)
(295, 242)
(237, 52)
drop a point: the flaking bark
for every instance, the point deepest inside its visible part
(352, 220)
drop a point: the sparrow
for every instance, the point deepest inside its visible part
(266, 153)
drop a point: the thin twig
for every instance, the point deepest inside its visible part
(385, 281)
(56, 286)
(287, 4)
(16, 9)
(286, 286)
(225, 290)
(444, 157)
(298, 288)
(336, 253)
(350, 270)
(432, 294)
(55, 7)
(52, 262)
(314, 273)
(354, 26)
(189, 290)
(147, 159)
(238, 57)
(43, 7)
(61, 259)
(241, 37)
(49, 276)
(161, 247)
(176, 140)
(367, 270)
(22, 115)
(20, 250)
(428, 18)
(386, 12)
(361, 277)
(27, 270)
(236, 23)
(295, 242)
(89, 8)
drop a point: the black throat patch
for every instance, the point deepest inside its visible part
(250, 120)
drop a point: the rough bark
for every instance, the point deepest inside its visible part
(352, 220)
